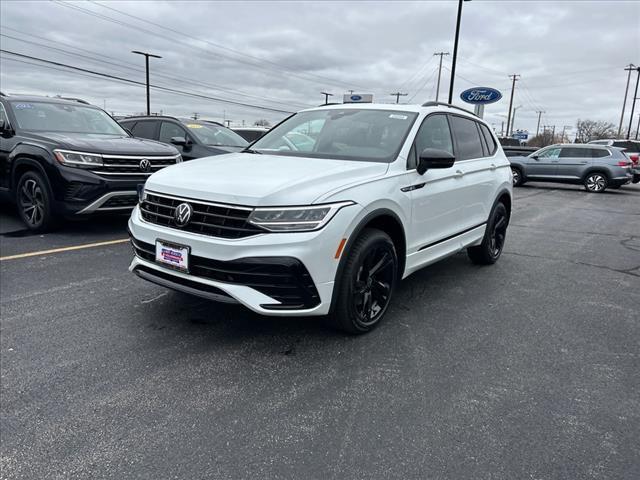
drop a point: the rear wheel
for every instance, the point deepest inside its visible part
(367, 283)
(489, 251)
(34, 202)
(596, 182)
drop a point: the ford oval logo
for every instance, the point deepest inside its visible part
(356, 98)
(481, 95)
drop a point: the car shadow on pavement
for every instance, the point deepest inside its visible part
(624, 190)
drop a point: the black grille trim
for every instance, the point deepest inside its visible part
(215, 220)
(284, 279)
(131, 164)
(120, 201)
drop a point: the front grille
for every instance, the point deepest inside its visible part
(123, 165)
(121, 201)
(284, 279)
(215, 220)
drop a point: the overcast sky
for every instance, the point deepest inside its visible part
(570, 54)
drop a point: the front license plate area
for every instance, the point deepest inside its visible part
(172, 255)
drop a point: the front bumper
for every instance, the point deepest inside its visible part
(314, 251)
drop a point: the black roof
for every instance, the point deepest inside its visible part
(169, 117)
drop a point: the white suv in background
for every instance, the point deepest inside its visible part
(327, 224)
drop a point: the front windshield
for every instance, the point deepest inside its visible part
(346, 134)
(211, 134)
(63, 117)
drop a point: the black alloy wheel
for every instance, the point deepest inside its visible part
(33, 201)
(367, 282)
(489, 251)
(517, 176)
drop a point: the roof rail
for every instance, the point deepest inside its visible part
(444, 104)
(72, 99)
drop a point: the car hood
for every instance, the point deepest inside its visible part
(261, 180)
(107, 144)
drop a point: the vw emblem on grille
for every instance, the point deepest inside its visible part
(145, 165)
(183, 214)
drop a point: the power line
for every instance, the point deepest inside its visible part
(275, 69)
(428, 79)
(121, 65)
(134, 82)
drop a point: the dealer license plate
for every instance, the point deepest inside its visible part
(172, 255)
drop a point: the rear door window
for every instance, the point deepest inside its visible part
(489, 138)
(575, 152)
(146, 129)
(467, 138)
(599, 152)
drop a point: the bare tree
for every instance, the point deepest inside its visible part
(262, 123)
(543, 139)
(587, 130)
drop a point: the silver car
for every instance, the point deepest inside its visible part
(597, 167)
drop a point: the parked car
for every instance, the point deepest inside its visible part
(631, 150)
(597, 167)
(192, 138)
(68, 158)
(385, 191)
(250, 134)
(517, 151)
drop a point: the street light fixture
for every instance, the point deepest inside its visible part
(146, 62)
(455, 50)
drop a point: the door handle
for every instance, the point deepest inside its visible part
(584, 163)
(493, 166)
(458, 174)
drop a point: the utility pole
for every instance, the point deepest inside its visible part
(564, 128)
(513, 119)
(398, 95)
(455, 50)
(502, 129)
(553, 133)
(633, 103)
(439, 72)
(539, 112)
(515, 77)
(629, 69)
(638, 127)
(146, 62)
(195, 115)
(326, 97)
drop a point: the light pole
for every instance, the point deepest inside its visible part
(455, 49)
(146, 63)
(633, 103)
(513, 119)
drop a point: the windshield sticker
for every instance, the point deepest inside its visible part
(399, 117)
(23, 106)
(194, 125)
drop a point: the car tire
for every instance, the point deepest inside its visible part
(517, 176)
(596, 182)
(367, 283)
(33, 201)
(489, 251)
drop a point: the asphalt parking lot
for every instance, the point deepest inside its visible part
(527, 369)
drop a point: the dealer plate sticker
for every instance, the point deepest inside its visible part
(176, 256)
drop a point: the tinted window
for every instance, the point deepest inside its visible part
(631, 147)
(64, 117)
(212, 134)
(168, 130)
(467, 138)
(598, 152)
(342, 133)
(433, 133)
(250, 135)
(489, 138)
(146, 129)
(575, 152)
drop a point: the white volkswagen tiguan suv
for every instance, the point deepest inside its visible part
(327, 212)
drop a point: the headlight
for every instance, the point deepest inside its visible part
(78, 159)
(295, 219)
(179, 159)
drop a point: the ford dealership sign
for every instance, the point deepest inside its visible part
(481, 95)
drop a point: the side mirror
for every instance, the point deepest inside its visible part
(179, 141)
(434, 158)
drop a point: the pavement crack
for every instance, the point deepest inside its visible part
(626, 271)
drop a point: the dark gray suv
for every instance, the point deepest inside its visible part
(594, 166)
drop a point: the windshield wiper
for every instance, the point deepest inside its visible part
(250, 150)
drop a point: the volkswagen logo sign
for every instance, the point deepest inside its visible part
(182, 215)
(145, 165)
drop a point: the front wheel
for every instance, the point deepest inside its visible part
(367, 283)
(34, 202)
(596, 182)
(489, 251)
(517, 176)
